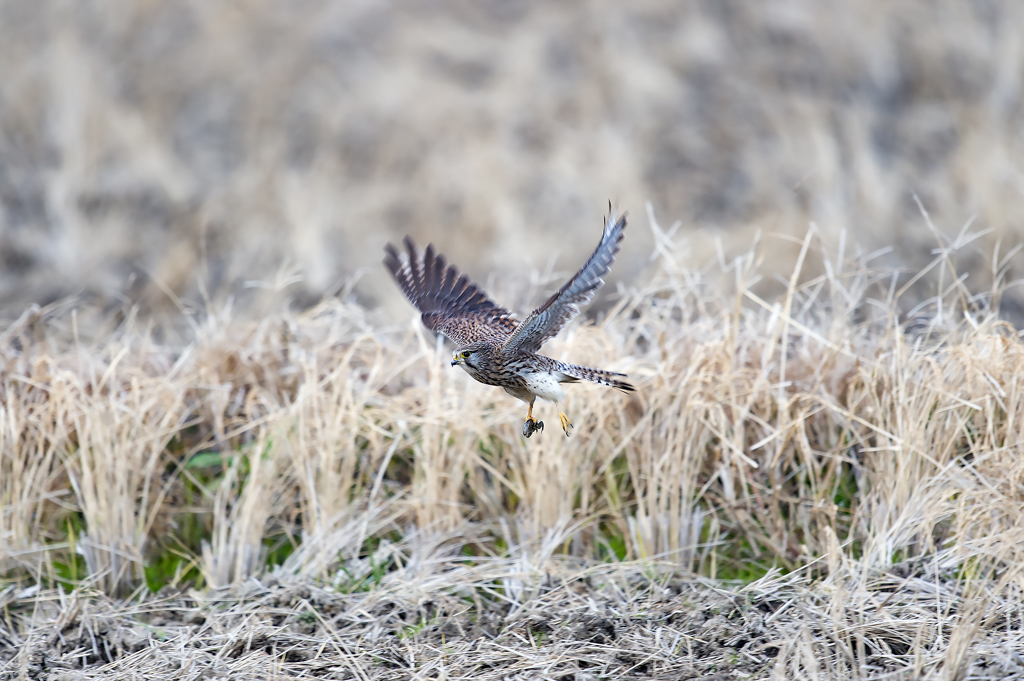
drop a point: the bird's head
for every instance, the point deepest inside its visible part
(469, 355)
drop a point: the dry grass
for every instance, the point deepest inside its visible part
(170, 145)
(818, 477)
(440, 617)
(874, 457)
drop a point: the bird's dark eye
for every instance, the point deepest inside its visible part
(466, 353)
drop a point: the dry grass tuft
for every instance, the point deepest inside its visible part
(859, 470)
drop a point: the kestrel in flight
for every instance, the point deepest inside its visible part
(493, 347)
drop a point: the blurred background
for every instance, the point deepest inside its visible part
(162, 150)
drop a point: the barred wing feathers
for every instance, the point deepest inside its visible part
(548, 319)
(449, 302)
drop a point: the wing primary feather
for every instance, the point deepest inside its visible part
(430, 272)
(400, 271)
(442, 270)
(462, 286)
(393, 263)
(438, 277)
(415, 281)
(448, 300)
(548, 319)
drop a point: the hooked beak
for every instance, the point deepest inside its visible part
(455, 362)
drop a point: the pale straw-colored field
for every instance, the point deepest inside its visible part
(875, 463)
(229, 449)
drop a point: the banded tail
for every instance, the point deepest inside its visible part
(574, 373)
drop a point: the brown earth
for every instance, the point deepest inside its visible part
(622, 622)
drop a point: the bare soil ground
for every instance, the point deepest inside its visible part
(607, 622)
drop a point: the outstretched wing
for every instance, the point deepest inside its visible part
(451, 304)
(548, 319)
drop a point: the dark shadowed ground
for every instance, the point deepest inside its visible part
(605, 623)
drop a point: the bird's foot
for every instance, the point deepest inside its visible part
(566, 425)
(531, 426)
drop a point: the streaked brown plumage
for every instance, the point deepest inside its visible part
(493, 347)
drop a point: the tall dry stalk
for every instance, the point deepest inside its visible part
(115, 461)
(448, 428)
(329, 446)
(32, 437)
(762, 430)
(249, 494)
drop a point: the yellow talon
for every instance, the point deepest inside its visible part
(566, 424)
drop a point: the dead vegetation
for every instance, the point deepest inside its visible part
(205, 473)
(445, 619)
(155, 146)
(871, 457)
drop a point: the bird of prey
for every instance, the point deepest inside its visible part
(493, 347)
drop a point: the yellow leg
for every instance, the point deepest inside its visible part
(532, 425)
(566, 424)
